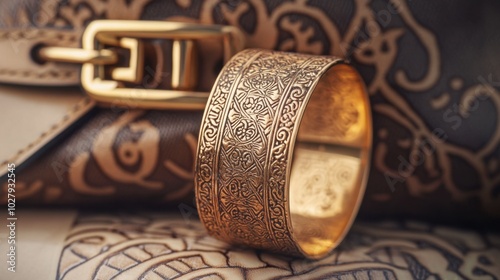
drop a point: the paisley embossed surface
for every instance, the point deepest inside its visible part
(159, 246)
(433, 77)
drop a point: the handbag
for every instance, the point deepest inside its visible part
(434, 92)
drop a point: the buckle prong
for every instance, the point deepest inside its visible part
(74, 55)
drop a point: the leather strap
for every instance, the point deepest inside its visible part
(23, 67)
(19, 66)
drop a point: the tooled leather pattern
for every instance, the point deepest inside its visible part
(159, 246)
(419, 89)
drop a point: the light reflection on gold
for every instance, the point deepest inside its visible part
(330, 160)
(321, 179)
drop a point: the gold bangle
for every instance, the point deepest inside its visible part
(283, 152)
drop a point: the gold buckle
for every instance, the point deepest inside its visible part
(128, 35)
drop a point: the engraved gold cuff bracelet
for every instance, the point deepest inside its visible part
(285, 140)
(283, 152)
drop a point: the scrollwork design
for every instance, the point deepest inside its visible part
(130, 161)
(371, 39)
(142, 153)
(246, 191)
(159, 246)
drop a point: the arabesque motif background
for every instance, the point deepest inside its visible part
(434, 91)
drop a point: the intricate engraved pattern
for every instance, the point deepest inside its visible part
(159, 246)
(245, 146)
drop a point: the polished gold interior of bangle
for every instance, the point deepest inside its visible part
(330, 161)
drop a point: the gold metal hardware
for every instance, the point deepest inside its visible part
(73, 55)
(184, 65)
(132, 73)
(109, 85)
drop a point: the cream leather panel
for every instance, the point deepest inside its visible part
(32, 116)
(39, 239)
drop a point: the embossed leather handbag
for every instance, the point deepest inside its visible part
(122, 129)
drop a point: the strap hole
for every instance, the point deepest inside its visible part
(35, 54)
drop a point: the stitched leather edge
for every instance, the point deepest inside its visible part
(80, 108)
(32, 37)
